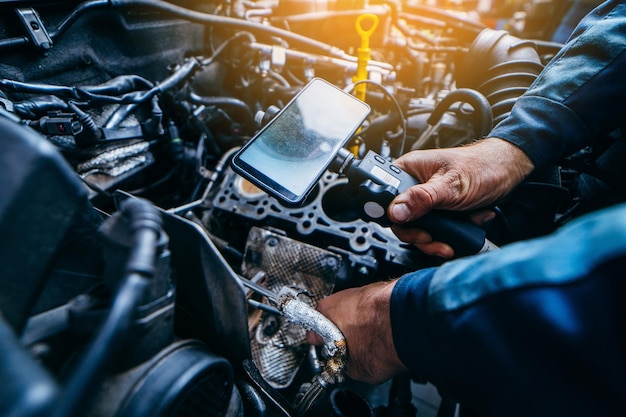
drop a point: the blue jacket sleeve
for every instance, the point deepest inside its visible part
(535, 329)
(578, 96)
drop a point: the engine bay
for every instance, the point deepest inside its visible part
(106, 103)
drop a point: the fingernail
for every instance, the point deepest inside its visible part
(400, 212)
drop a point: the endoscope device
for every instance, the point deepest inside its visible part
(288, 156)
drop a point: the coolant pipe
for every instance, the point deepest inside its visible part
(240, 24)
(231, 102)
(191, 15)
(483, 117)
(98, 94)
(36, 107)
(464, 28)
(119, 115)
(346, 62)
(145, 222)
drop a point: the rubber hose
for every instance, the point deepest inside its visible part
(483, 117)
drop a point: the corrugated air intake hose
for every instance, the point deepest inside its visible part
(501, 67)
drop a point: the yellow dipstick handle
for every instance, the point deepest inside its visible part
(363, 53)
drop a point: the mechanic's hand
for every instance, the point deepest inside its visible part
(363, 316)
(462, 178)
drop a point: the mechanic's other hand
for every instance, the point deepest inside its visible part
(363, 316)
(460, 178)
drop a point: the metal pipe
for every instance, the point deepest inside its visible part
(335, 346)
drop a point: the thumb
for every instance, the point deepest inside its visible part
(419, 200)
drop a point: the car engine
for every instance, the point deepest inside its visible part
(140, 275)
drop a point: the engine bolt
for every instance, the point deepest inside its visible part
(331, 262)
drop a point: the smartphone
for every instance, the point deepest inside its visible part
(288, 156)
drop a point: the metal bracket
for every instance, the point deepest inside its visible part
(35, 28)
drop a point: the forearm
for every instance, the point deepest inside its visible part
(362, 315)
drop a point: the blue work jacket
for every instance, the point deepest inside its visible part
(535, 329)
(580, 94)
(539, 327)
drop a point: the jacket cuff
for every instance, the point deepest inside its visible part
(409, 317)
(544, 129)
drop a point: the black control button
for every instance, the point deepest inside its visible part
(379, 159)
(394, 169)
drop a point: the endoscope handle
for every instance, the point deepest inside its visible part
(465, 237)
(380, 181)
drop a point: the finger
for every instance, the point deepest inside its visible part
(423, 241)
(482, 216)
(439, 192)
(411, 235)
(313, 338)
(410, 205)
(440, 249)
